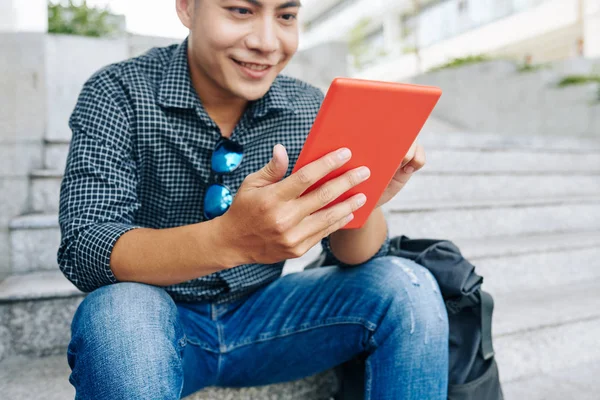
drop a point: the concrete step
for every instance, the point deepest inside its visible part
(35, 313)
(519, 263)
(496, 218)
(34, 241)
(47, 378)
(45, 190)
(538, 334)
(579, 382)
(429, 185)
(35, 238)
(55, 154)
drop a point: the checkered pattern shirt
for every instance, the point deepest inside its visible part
(140, 157)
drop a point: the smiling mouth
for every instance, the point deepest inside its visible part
(254, 67)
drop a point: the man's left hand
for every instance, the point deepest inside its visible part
(412, 162)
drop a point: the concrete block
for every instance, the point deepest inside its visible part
(568, 109)
(319, 65)
(13, 198)
(40, 307)
(70, 62)
(139, 44)
(55, 155)
(45, 190)
(18, 158)
(42, 327)
(5, 266)
(34, 242)
(319, 386)
(22, 86)
(5, 336)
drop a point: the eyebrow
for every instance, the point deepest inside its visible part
(288, 4)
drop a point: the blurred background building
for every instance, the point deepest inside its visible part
(396, 39)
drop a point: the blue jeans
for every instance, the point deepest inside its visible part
(132, 341)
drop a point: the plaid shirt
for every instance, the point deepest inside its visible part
(140, 157)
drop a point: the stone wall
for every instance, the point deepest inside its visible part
(496, 97)
(22, 121)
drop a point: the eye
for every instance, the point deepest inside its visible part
(289, 17)
(240, 10)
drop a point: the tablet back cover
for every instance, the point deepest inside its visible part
(378, 122)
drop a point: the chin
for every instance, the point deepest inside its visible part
(252, 92)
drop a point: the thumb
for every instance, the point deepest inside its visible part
(275, 169)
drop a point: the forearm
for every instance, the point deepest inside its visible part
(354, 246)
(166, 257)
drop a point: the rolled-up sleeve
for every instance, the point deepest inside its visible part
(98, 193)
(331, 259)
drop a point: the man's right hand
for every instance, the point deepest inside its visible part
(269, 222)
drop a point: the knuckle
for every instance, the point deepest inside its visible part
(324, 193)
(331, 162)
(330, 217)
(302, 175)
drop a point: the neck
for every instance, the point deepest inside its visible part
(225, 109)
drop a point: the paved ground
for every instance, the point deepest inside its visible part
(47, 379)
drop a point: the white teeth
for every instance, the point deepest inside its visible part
(254, 67)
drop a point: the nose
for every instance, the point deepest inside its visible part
(264, 36)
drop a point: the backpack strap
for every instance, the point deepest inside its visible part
(486, 309)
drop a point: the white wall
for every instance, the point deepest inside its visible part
(23, 16)
(592, 28)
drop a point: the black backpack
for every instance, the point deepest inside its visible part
(473, 372)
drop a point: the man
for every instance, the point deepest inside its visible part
(186, 283)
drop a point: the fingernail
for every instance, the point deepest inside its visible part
(344, 154)
(361, 200)
(409, 169)
(349, 217)
(364, 172)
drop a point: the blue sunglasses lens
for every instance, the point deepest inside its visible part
(226, 157)
(216, 200)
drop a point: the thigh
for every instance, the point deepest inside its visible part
(311, 321)
(129, 334)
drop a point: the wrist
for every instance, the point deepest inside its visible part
(226, 253)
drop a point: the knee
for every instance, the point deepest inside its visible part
(124, 314)
(413, 296)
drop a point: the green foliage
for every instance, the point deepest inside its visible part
(462, 61)
(79, 19)
(571, 80)
(356, 42)
(524, 67)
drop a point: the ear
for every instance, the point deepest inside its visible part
(185, 11)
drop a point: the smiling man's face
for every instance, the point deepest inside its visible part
(239, 46)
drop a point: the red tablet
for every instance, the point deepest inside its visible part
(378, 122)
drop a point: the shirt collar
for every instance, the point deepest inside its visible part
(176, 89)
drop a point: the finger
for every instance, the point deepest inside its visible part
(330, 219)
(295, 184)
(409, 155)
(273, 171)
(417, 162)
(331, 190)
